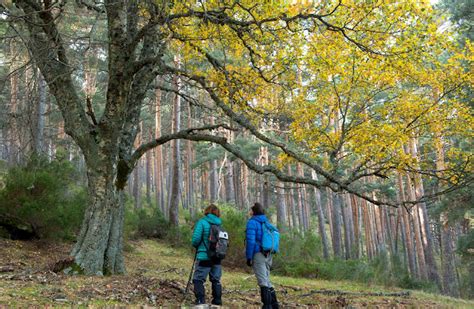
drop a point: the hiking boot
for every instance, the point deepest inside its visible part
(274, 301)
(266, 297)
(216, 293)
(199, 292)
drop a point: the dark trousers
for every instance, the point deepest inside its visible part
(214, 271)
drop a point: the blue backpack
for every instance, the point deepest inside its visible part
(270, 238)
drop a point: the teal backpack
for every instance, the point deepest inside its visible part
(270, 238)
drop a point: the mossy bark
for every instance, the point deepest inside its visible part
(99, 248)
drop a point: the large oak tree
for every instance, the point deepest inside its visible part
(330, 74)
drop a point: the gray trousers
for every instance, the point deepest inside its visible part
(261, 267)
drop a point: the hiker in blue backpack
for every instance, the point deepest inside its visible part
(258, 259)
(205, 264)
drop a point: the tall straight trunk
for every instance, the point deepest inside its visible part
(346, 211)
(448, 258)
(229, 182)
(158, 151)
(302, 198)
(356, 225)
(281, 206)
(329, 210)
(432, 267)
(420, 254)
(389, 216)
(265, 185)
(409, 245)
(221, 179)
(351, 224)
(245, 186)
(450, 283)
(373, 228)
(336, 222)
(369, 244)
(38, 134)
(237, 172)
(205, 192)
(378, 232)
(291, 204)
(13, 139)
(176, 158)
(321, 219)
(148, 169)
(213, 175)
(137, 184)
(189, 171)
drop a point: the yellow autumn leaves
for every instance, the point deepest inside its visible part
(358, 79)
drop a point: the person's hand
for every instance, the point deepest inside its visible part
(249, 262)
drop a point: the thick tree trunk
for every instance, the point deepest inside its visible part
(98, 250)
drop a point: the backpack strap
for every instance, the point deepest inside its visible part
(202, 236)
(202, 239)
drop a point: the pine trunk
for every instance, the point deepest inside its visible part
(432, 267)
(175, 159)
(158, 151)
(281, 207)
(406, 226)
(38, 134)
(321, 219)
(336, 223)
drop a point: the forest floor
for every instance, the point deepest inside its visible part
(157, 275)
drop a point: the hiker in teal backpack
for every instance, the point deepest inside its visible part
(206, 265)
(259, 260)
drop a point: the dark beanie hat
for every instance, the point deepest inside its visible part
(257, 209)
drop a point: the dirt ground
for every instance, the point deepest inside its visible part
(27, 278)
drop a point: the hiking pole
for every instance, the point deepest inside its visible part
(190, 276)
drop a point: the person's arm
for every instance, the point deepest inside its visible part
(197, 234)
(250, 235)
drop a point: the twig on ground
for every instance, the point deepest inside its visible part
(339, 292)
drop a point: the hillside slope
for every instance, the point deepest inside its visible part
(157, 275)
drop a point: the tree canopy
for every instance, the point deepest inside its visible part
(349, 89)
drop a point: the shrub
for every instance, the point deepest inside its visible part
(45, 196)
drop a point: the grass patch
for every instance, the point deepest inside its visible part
(157, 273)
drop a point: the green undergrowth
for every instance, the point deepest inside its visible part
(244, 280)
(157, 273)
